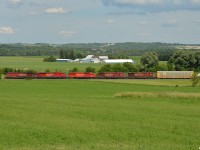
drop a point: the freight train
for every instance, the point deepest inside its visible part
(103, 75)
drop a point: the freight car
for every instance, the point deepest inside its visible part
(50, 75)
(111, 75)
(18, 75)
(81, 75)
(174, 74)
(141, 75)
(103, 75)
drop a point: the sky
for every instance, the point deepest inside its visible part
(88, 21)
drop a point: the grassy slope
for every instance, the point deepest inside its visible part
(71, 114)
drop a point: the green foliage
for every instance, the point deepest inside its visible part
(6, 70)
(195, 79)
(125, 67)
(165, 54)
(149, 60)
(118, 68)
(162, 67)
(170, 65)
(31, 71)
(120, 55)
(70, 54)
(130, 67)
(90, 69)
(50, 59)
(182, 60)
(75, 69)
(106, 68)
(47, 70)
(117, 50)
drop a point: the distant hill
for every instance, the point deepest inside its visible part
(130, 48)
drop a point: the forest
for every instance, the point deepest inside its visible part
(128, 48)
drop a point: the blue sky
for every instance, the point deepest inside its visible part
(86, 21)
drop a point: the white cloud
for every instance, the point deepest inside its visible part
(59, 10)
(67, 33)
(138, 2)
(15, 1)
(155, 5)
(6, 30)
(110, 21)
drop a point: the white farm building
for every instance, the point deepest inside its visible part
(112, 61)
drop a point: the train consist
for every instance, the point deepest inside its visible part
(103, 75)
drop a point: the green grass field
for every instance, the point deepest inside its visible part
(96, 114)
(86, 114)
(36, 63)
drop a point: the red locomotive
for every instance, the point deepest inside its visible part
(111, 75)
(18, 75)
(140, 75)
(81, 75)
(50, 75)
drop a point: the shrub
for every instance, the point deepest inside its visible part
(50, 59)
(106, 68)
(47, 70)
(90, 69)
(75, 69)
(195, 79)
(6, 70)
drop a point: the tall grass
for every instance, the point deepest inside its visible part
(173, 95)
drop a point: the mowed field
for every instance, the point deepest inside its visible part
(97, 114)
(36, 63)
(87, 114)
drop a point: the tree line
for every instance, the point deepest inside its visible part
(185, 60)
(118, 50)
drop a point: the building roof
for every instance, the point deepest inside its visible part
(118, 60)
(63, 59)
(89, 56)
(103, 57)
